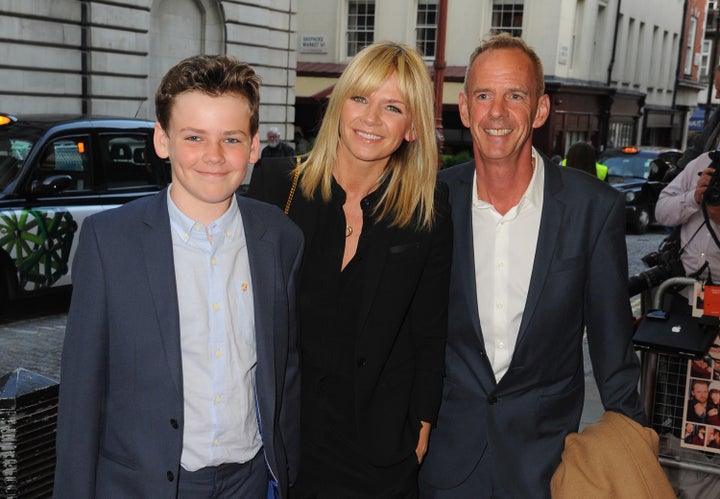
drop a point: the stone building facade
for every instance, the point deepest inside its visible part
(107, 57)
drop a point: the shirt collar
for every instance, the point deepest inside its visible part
(533, 195)
(370, 199)
(229, 223)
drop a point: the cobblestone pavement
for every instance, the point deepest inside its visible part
(35, 344)
(31, 335)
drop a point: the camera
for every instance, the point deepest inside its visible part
(664, 264)
(711, 196)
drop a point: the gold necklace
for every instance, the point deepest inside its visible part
(348, 227)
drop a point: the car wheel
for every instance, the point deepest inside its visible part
(641, 221)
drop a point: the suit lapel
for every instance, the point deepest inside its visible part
(156, 242)
(263, 273)
(462, 191)
(550, 225)
(461, 195)
(377, 256)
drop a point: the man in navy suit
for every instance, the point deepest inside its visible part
(180, 368)
(539, 256)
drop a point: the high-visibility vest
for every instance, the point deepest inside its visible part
(601, 170)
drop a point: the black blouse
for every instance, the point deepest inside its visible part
(372, 335)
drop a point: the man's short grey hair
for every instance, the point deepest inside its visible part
(274, 130)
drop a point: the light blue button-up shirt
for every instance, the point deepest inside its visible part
(217, 331)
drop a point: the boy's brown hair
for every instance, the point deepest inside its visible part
(213, 75)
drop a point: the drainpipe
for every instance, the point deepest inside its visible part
(614, 47)
(610, 99)
(84, 58)
(287, 71)
(439, 66)
(713, 66)
(683, 33)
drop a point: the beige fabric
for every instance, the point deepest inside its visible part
(615, 458)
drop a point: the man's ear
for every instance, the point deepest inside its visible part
(463, 107)
(542, 112)
(160, 141)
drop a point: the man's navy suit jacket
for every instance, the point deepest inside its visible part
(121, 393)
(579, 278)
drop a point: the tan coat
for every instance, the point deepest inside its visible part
(615, 458)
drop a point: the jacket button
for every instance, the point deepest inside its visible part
(170, 476)
(492, 400)
(174, 423)
(362, 362)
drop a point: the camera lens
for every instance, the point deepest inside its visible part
(711, 196)
(648, 279)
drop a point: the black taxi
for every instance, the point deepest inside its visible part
(640, 173)
(54, 172)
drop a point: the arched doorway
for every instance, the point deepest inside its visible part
(179, 29)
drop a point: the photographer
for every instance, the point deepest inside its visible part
(690, 201)
(684, 202)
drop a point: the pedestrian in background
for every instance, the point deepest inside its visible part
(301, 144)
(582, 156)
(180, 368)
(374, 282)
(276, 147)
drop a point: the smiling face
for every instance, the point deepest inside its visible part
(209, 144)
(501, 106)
(372, 127)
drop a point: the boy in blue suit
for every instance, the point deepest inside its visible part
(180, 369)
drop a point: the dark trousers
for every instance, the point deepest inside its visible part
(232, 480)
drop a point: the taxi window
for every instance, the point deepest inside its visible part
(127, 161)
(15, 148)
(67, 156)
(631, 166)
(12, 154)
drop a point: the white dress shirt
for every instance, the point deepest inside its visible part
(504, 251)
(217, 331)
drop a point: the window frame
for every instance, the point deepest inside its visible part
(424, 27)
(359, 35)
(502, 10)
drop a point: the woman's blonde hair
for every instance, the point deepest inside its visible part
(411, 171)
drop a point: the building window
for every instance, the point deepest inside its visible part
(507, 17)
(705, 55)
(689, 48)
(426, 30)
(622, 133)
(361, 25)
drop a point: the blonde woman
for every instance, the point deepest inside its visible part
(373, 290)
